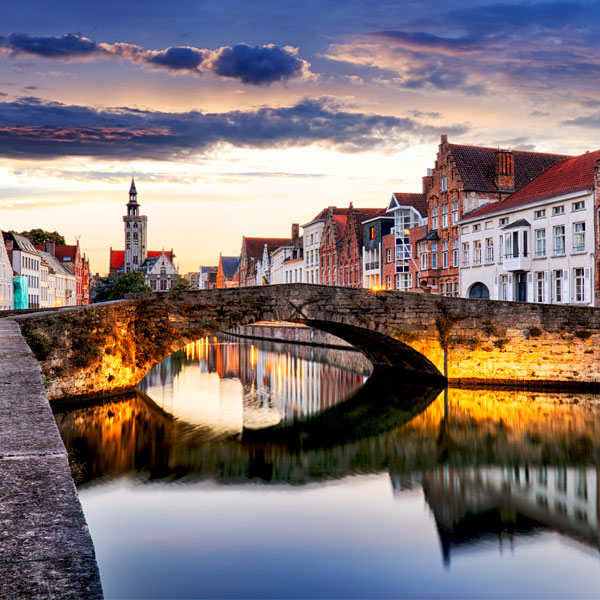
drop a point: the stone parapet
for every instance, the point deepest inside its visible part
(45, 547)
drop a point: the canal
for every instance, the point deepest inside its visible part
(248, 469)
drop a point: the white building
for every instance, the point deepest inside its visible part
(6, 279)
(59, 285)
(159, 271)
(287, 263)
(27, 262)
(538, 244)
(311, 233)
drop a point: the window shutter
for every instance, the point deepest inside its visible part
(566, 286)
(530, 287)
(587, 292)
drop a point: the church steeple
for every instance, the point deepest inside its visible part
(135, 233)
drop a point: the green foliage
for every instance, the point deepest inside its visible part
(534, 332)
(38, 341)
(129, 283)
(181, 285)
(38, 236)
(102, 288)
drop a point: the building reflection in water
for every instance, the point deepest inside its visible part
(230, 383)
(495, 467)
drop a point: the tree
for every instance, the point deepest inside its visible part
(128, 283)
(181, 285)
(38, 236)
(102, 288)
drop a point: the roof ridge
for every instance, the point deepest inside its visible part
(513, 150)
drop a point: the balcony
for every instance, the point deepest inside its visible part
(517, 261)
(372, 266)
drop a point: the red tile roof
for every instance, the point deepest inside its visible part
(255, 246)
(563, 177)
(477, 166)
(417, 201)
(117, 257)
(340, 225)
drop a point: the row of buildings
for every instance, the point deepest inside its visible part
(41, 276)
(487, 223)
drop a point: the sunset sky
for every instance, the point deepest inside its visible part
(240, 117)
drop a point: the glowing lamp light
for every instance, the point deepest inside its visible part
(375, 288)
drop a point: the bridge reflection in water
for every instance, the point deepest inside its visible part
(496, 468)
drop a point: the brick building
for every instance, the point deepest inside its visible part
(228, 274)
(340, 252)
(464, 179)
(251, 257)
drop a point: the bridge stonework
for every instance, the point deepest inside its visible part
(108, 347)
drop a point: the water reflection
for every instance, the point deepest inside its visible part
(499, 471)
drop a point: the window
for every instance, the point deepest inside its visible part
(465, 229)
(434, 256)
(558, 210)
(465, 254)
(503, 221)
(581, 485)
(434, 218)
(558, 286)
(404, 281)
(540, 243)
(444, 186)
(476, 252)
(580, 205)
(579, 237)
(455, 252)
(477, 227)
(540, 281)
(388, 255)
(539, 214)
(489, 250)
(559, 239)
(445, 255)
(423, 256)
(444, 215)
(372, 232)
(388, 282)
(579, 281)
(503, 287)
(500, 247)
(455, 212)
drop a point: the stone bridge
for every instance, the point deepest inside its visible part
(108, 347)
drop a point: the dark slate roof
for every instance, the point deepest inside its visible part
(256, 246)
(567, 176)
(519, 223)
(132, 189)
(230, 264)
(417, 201)
(477, 166)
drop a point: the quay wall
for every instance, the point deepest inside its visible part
(46, 551)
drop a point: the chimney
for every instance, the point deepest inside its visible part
(50, 248)
(444, 139)
(505, 170)
(427, 183)
(295, 231)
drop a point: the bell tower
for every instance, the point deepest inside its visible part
(136, 227)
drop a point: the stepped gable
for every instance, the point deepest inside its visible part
(117, 257)
(417, 201)
(563, 177)
(477, 166)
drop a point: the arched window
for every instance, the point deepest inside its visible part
(479, 290)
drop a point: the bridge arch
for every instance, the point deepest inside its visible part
(108, 347)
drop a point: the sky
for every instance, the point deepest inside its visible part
(241, 118)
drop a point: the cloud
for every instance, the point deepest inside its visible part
(254, 65)
(33, 128)
(258, 65)
(419, 114)
(592, 121)
(526, 48)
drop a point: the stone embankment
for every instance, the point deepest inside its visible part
(45, 547)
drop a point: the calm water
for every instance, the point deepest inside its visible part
(258, 470)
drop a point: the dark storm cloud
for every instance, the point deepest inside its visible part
(67, 46)
(255, 65)
(178, 58)
(31, 128)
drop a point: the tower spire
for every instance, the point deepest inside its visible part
(132, 191)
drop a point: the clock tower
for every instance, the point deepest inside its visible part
(136, 227)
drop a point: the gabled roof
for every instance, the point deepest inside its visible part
(21, 242)
(230, 264)
(117, 257)
(255, 246)
(66, 253)
(566, 176)
(323, 214)
(54, 264)
(477, 166)
(416, 201)
(339, 222)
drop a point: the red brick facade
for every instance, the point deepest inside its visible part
(388, 272)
